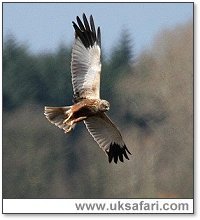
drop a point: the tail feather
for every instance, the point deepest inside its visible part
(58, 116)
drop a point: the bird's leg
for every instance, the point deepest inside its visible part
(74, 121)
(67, 119)
(70, 127)
(79, 119)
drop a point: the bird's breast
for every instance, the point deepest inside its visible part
(85, 108)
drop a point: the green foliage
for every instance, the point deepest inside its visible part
(43, 79)
(19, 74)
(122, 56)
(117, 66)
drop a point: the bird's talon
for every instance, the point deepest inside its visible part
(68, 130)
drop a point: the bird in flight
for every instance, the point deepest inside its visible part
(88, 106)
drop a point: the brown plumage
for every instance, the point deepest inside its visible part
(88, 107)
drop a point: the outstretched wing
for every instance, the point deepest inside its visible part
(108, 137)
(85, 64)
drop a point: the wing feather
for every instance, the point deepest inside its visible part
(108, 137)
(92, 26)
(86, 65)
(99, 36)
(80, 24)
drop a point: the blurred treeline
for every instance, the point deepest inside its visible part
(151, 98)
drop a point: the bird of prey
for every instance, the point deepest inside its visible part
(88, 106)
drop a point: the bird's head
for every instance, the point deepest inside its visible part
(104, 106)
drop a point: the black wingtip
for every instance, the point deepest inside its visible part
(117, 152)
(86, 31)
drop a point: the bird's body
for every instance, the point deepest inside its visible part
(76, 113)
(88, 106)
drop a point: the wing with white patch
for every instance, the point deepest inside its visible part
(85, 64)
(108, 137)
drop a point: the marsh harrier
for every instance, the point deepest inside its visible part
(88, 107)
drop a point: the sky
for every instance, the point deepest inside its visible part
(44, 26)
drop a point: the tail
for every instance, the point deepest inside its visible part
(60, 116)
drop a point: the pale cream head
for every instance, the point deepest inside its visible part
(104, 106)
